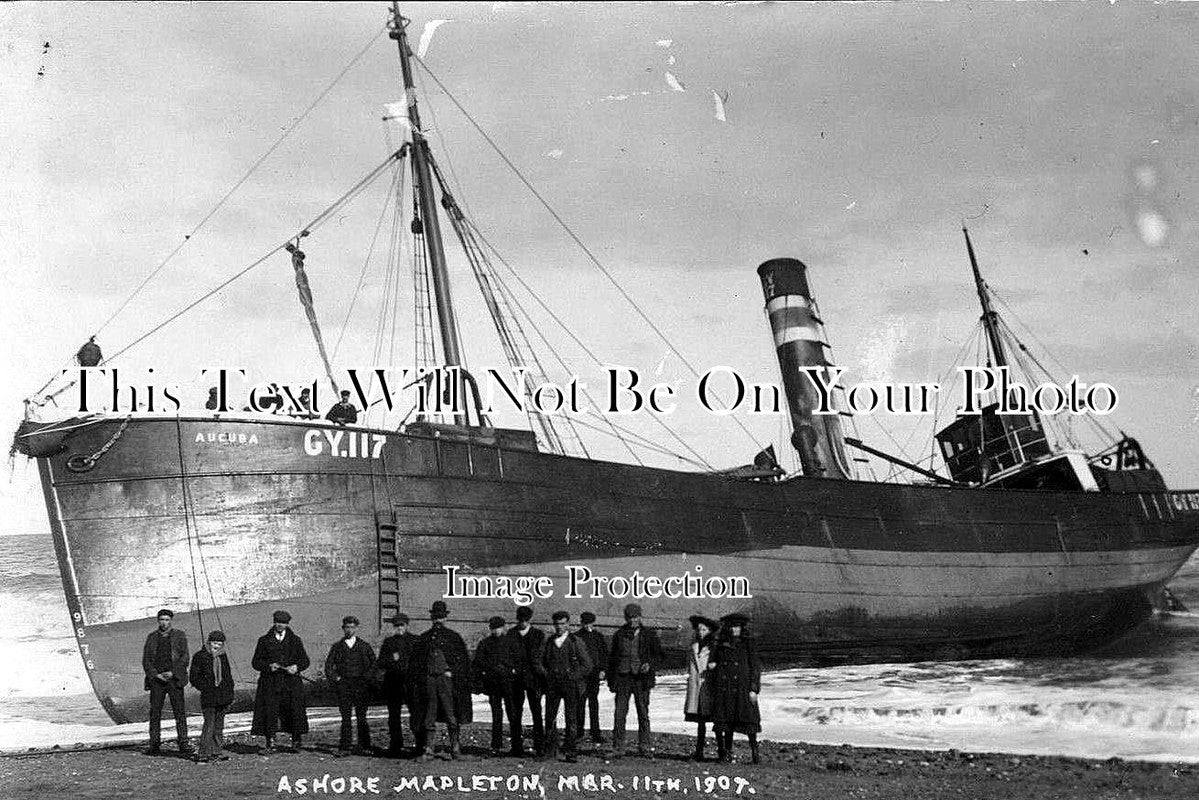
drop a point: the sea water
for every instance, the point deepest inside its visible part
(1138, 698)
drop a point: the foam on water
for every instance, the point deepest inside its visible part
(1138, 699)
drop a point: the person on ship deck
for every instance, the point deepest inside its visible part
(344, 412)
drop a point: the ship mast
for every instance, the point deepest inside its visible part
(990, 318)
(426, 201)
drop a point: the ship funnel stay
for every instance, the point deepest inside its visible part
(799, 342)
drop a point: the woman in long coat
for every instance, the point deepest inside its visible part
(736, 679)
(697, 707)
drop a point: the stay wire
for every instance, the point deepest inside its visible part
(316, 222)
(394, 189)
(253, 168)
(570, 232)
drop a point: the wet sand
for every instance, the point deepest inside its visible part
(786, 771)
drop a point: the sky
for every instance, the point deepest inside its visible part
(858, 138)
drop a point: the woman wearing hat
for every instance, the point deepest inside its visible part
(210, 673)
(736, 679)
(697, 707)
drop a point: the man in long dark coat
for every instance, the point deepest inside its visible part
(350, 669)
(597, 648)
(632, 663)
(736, 675)
(564, 664)
(164, 660)
(528, 684)
(442, 665)
(395, 662)
(279, 705)
(497, 664)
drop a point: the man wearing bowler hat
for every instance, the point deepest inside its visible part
(164, 660)
(635, 655)
(395, 662)
(442, 664)
(279, 658)
(349, 668)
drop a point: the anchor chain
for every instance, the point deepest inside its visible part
(87, 463)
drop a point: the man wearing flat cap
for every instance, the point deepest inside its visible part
(343, 412)
(497, 665)
(528, 684)
(395, 662)
(349, 668)
(164, 660)
(597, 648)
(443, 666)
(564, 665)
(632, 662)
(279, 658)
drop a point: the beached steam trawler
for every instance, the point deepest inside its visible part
(1017, 546)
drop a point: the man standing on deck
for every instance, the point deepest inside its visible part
(528, 684)
(442, 662)
(395, 661)
(635, 654)
(597, 648)
(344, 412)
(279, 658)
(164, 660)
(349, 668)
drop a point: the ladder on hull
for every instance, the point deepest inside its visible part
(389, 565)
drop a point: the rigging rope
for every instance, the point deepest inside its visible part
(544, 307)
(286, 132)
(316, 222)
(394, 191)
(591, 256)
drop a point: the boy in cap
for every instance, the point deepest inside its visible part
(497, 663)
(632, 661)
(597, 648)
(279, 658)
(395, 659)
(211, 675)
(164, 660)
(348, 668)
(564, 665)
(344, 411)
(442, 661)
(528, 684)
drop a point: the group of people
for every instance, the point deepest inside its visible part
(342, 413)
(434, 676)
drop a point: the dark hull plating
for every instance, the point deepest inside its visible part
(225, 520)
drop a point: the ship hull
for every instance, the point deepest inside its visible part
(226, 519)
